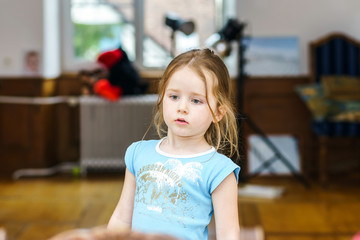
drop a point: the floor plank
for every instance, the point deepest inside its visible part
(37, 208)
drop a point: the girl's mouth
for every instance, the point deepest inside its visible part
(181, 121)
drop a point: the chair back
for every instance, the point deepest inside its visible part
(335, 55)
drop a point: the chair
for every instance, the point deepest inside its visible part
(335, 67)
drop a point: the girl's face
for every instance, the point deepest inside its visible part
(185, 109)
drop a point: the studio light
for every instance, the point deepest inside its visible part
(221, 41)
(176, 23)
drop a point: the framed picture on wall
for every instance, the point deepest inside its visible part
(266, 56)
(32, 63)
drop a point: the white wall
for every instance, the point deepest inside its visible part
(306, 19)
(21, 29)
(31, 25)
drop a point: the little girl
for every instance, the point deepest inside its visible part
(174, 185)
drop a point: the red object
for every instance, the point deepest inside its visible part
(356, 236)
(109, 58)
(106, 90)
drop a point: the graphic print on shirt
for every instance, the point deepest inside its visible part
(160, 190)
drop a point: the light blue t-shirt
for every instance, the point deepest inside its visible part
(173, 192)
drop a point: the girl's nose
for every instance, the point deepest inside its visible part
(182, 107)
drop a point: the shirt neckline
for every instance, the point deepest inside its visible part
(158, 150)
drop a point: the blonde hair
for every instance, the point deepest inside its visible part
(223, 134)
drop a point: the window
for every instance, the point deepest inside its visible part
(97, 27)
(94, 26)
(159, 35)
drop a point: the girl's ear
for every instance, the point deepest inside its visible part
(219, 113)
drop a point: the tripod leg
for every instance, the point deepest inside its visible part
(278, 154)
(263, 166)
(262, 160)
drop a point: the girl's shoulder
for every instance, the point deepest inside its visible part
(144, 144)
(223, 157)
(220, 161)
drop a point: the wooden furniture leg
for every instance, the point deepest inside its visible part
(322, 161)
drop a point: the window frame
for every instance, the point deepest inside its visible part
(224, 9)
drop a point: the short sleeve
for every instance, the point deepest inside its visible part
(130, 157)
(221, 170)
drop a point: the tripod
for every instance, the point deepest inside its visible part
(277, 153)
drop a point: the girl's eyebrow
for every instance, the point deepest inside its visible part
(192, 93)
(173, 90)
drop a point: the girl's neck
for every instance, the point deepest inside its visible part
(184, 146)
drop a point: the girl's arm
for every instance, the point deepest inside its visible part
(122, 216)
(225, 202)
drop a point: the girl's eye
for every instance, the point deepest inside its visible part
(196, 101)
(174, 97)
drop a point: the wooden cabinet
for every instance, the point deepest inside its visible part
(27, 136)
(35, 130)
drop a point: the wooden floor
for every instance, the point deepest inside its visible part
(38, 208)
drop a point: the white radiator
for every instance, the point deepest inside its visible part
(108, 128)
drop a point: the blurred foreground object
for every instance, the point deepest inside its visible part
(2, 234)
(101, 233)
(252, 233)
(356, 236)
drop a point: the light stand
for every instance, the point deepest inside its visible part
(234, 31)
